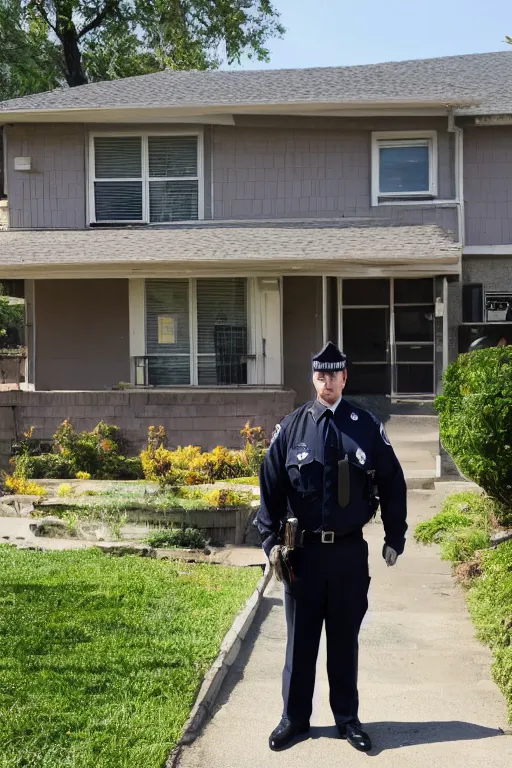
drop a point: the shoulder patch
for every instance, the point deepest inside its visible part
(383, 435)
(275, 433)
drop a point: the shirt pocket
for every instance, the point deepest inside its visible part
(358, 480)
(304, 470)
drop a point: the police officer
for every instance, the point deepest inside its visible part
(326, 464)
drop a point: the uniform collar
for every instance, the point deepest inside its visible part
(318, 409)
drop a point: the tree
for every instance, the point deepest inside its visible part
(29, 61)
(107, 39)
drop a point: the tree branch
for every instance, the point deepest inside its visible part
(110, 5)
(39, 6)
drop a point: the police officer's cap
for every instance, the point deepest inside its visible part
(330, 359)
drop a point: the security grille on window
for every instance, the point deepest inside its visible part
(404, 166)
(145, 179)
(196, 332)
(498, 307)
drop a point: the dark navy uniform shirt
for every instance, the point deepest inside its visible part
(293, 477)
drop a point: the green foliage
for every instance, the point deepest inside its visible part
(460, 544)
(44, 43)
(433, 530)
(102, 657)
(475, 412)
(12, 316)
(45, 466)
(490, 603)
(29, 60)
(189, 466)
(191, 538)
(459, 510)
(97, 454)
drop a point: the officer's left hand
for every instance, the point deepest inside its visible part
(390, 556)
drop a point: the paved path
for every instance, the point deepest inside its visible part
(426, 692)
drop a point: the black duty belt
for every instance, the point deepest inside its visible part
(328, 537)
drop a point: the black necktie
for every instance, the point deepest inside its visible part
(331, 451)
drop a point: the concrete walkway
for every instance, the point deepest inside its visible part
(427, 696)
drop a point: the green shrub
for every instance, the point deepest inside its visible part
(490, 603)
(433, 530)
(475, 413)
(460, 544)
(177, 537)
(459, 510)
(45, 466)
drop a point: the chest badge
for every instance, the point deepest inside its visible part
(360, 456)
(354, 416)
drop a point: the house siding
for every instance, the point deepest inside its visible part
(280, 169)
(316, 169)
(488, 185)
(82, 334)
(52, 194)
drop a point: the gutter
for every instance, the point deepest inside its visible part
(459, 176)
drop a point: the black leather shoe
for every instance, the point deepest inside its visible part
(355, 736)
(282, 736)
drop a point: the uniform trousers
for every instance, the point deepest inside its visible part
(331, 585)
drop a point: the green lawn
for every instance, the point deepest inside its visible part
(101, 658)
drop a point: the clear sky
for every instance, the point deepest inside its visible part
(341, 32)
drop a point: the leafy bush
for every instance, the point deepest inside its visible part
(460, 544)
(433, 530)
(459, 510)
(47, 465)
(83, 476)
(94, 454)
(24, 487)
(191, 538)
(490, 603)
(256, 444)
(475, 412)
(225, 497)
(189, 466)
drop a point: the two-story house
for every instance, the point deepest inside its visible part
(198, 235)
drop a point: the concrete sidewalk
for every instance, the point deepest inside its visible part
(427, 696)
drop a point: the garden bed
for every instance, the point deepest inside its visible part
(132, 511)
(102, 658)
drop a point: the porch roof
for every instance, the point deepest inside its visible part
(310, 246)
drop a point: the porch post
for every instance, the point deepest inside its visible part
(30, 334)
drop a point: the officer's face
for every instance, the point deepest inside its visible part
(329, 386)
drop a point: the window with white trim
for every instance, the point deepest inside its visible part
(404, 166)
(196, 332)
(146, 178)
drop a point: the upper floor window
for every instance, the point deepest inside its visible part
(404, 165)
(145, 178)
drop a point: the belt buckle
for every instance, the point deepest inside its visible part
(327, 537)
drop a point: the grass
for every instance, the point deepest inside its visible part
(463, 529)
(243, 481)
(102, 658)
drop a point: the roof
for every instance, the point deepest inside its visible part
(483, 79)
(264, 246)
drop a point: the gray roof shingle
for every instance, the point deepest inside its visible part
(306, 243)
(484, 78)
